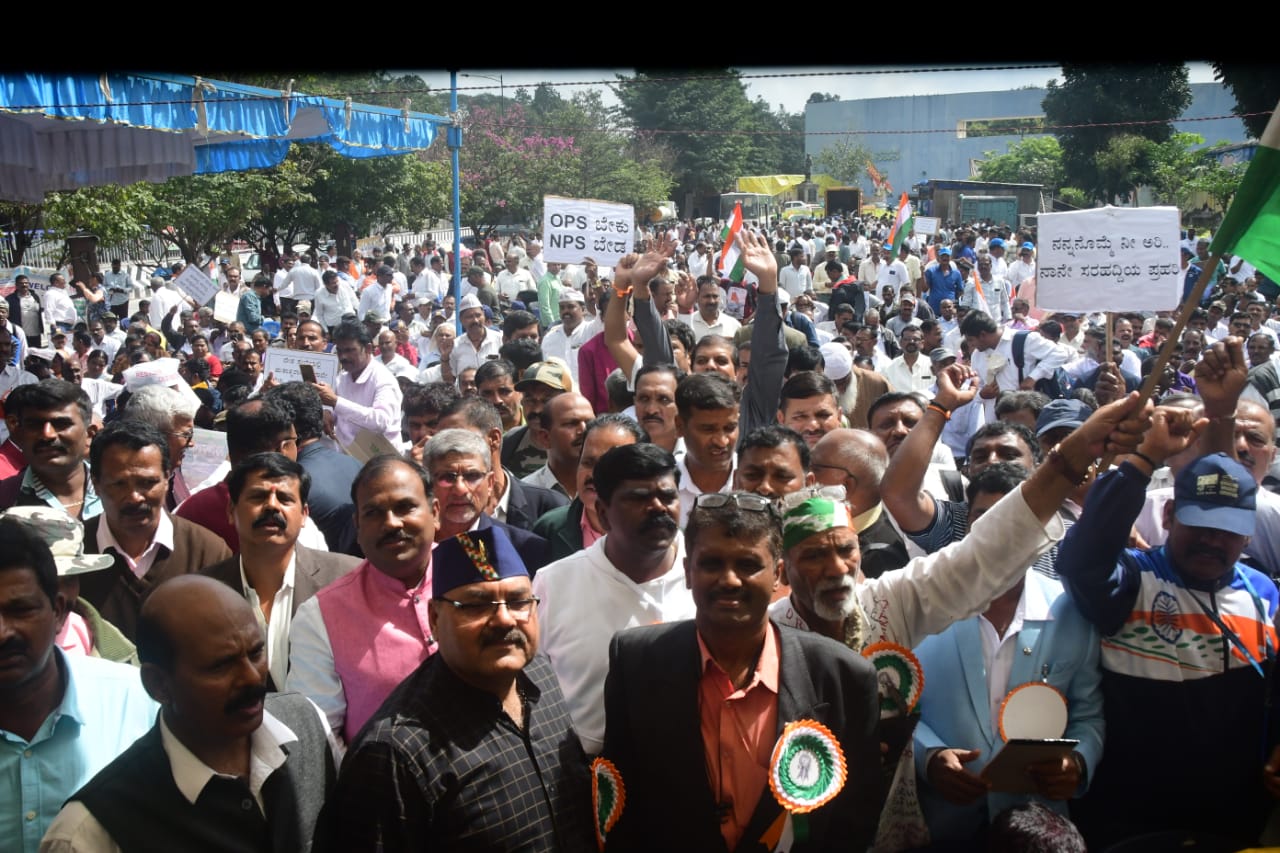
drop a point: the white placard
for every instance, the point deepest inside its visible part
(226, 306)
(576, 228)
(196, 284)
(926, 225)
(368, 444)
(286, 364)
(204, 455)
(1109, 259)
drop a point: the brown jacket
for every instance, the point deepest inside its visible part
(870, 386)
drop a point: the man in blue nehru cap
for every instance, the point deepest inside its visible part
(477, 742)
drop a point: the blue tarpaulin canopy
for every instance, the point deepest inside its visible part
(62, 132)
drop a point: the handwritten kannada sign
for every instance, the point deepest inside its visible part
(286, 365)
(575, 228)
(193, 282)
(1109, 259)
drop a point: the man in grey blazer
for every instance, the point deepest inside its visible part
(273, 572)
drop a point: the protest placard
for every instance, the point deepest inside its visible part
(193, 282)
(576, 228)
(286, 365)
(225, 307)
(206, 453)
(926, 225)
(367, 444)
(1109, 259)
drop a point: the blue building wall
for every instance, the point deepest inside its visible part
(921, 156)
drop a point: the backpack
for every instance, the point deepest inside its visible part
(1056, 386)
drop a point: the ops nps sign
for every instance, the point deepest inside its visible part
(576, 228)
(1109, 259)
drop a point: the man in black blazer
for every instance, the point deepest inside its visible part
(672, 688)
(268, 504)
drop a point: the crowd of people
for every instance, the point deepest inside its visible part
(634, 538)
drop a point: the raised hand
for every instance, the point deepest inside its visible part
(951, 391)
(1220, 377)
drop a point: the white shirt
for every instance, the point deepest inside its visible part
(162, 301)
(466, 354)
(277, 630)
(399, 366)
(430, 285)
(795, 280)
(564, 345)
(100, 391)
(698, 264)
(585, 601)
(375, 298)
(510, 284)
(303, 281)
(891, 274)
(59, 308)
(1018, 272)
(689, 490)
(909, 378)
(163, 537)
(109, 346)
(369, 401)
(725, 326)
(998, 652)
(328, 309)
(1041, 358)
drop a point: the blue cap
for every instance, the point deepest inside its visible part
(996, 243)
(943, 250)
(1216, 491)
(1027, 247)
(475, 557)
(1062, 413)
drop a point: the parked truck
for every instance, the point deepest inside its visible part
(848, 199)
(947, 200)
(996, 209)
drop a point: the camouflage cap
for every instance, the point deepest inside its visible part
(547, 373)
(64, 536)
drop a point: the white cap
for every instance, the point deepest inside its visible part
(571, 295)
(838, 361)
(469, 301)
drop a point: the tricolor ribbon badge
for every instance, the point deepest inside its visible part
(608, 795)
(900, 677)
(807, 770)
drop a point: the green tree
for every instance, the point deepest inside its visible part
(1037, 160)
(1091, 106)
(709, 120)
(18, 223)
(822, 98)
(845, 160)
(1256, 87)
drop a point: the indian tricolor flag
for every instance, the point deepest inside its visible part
(1251, 228)
(902, 225)
(979, 296)
(729, 264)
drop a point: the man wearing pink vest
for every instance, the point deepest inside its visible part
(359, 637)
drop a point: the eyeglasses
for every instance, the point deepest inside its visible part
(449, 478)
(473, 611)
(852, 476)
(189, 436)
(835, 493)
(742, 500)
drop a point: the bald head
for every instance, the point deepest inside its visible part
(854, 458)
(183, 611)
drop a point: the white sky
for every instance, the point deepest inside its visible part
(792, 92)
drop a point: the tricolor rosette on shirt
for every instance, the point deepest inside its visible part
(899, 675)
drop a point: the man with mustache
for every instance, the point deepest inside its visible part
(569, 529)
(479, 343)
(1210, 620)
(269, 493)
(357, 638)
(475, 748)
(129, 464)
(560, 429)
(51, 423)
(630, 576)
(226, 767)
(460, 464)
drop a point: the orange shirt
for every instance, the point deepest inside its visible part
(739, 730)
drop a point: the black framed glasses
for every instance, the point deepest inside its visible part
(749, 501)
(473, 611)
